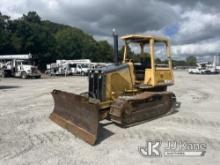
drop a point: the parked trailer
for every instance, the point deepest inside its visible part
(69, 67)
(55, 69)
(18, 65)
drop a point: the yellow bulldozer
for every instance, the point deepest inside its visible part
(126, 93)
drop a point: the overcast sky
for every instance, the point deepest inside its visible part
(193, 26)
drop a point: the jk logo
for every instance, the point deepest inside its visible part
(152, 149)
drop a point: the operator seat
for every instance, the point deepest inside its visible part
(139, 68)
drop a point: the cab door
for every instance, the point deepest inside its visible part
(161, 72)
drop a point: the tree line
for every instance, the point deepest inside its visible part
(49, 41)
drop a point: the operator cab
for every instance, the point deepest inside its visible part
(151, 59)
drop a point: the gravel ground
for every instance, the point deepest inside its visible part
(27, 136)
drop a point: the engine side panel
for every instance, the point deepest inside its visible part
(109, 82)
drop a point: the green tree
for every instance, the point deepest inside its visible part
(105, 52)
(49, 41)
(5, 45)
(131, 54)
(191, 61)
(158, 61)
(179, 63)
(69, 44)
(31, 16)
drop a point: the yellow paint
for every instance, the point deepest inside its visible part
(154, 76)
(117, 83)
(124, 82)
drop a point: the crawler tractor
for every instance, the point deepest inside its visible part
(126, 93)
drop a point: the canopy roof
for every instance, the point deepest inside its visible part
(143, 38)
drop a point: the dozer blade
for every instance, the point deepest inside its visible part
(130, 110)
(75, 114)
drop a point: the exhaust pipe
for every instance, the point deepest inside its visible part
(116, 56)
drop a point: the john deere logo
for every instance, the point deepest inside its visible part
(152, 149)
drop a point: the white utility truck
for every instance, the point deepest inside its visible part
(204, 68)
(69, 67)
(18, 65)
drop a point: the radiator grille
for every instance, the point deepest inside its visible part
(96, 85)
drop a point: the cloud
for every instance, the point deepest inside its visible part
(196, 26)
(212, 5)
(206, 47)
(99, 17)
(189, 24)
